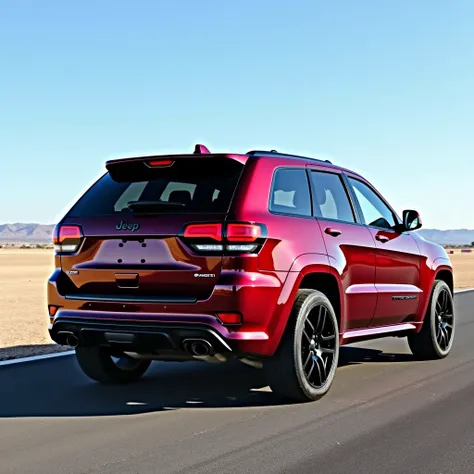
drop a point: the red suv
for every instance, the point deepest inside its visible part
(273, 259)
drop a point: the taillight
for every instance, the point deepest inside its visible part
(204, 231)
(243, 232)
(243, 237)
(233, 238)
(67, 238)
(242, 248)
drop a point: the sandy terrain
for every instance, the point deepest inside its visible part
(23, 317)
(463, 264)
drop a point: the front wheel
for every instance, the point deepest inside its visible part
(436, 337)
(100, 365)
(304, 366)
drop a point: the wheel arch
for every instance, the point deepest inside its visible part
(440, 269)
(313, 271)
(326, 283)
(446, 274)
(308, 271)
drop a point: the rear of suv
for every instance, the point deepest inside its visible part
(273, 259)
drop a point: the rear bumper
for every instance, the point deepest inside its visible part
(145, 338)
(145, 326)
(148, 333)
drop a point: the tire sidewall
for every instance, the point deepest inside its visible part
(96, 362)
(438, 288)
(311, 302)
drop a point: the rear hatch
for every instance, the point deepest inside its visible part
(132, 243)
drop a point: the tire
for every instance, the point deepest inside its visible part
(97, 364)
(297, 369)
(436, 337)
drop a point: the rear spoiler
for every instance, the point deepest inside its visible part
(139, 168)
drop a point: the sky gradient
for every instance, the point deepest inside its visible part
(383, 88)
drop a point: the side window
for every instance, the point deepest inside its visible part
(290, 192)
(374, 210)
(330, 197)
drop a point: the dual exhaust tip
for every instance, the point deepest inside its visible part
(198, 347)
(195, 347)
(69, 338)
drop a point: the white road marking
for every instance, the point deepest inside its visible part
(34, 358)
(465, 290)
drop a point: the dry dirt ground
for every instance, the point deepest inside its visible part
(23, 317)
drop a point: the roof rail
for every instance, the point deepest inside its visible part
(284, 155)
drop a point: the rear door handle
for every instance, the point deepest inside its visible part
(382, 238)
(332, 232)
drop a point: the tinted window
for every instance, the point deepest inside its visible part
(330, 197)
(198, 190)
(374, 210)
(290, 192)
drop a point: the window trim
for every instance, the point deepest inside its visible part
(384, 201)
(270, 194)
(355, 213)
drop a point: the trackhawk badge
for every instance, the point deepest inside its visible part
(204, 275)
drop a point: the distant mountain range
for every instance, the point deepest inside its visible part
(449, 237)
(26, 233)
(41, 234)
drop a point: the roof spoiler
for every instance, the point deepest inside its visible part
(139, 167)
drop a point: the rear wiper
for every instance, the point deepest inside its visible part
(153, 205)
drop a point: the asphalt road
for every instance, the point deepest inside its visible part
(386, 413)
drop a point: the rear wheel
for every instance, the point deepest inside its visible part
(436, 337)
(100, 365)
(304, 366)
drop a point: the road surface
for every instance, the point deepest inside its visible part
(386, 413)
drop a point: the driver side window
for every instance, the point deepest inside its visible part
(374, 210)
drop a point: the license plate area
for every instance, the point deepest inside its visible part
(127, 280)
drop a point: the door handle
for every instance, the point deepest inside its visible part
(382, 238)
(332, 232)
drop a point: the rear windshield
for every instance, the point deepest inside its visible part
(207, 188)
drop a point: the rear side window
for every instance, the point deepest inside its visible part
(290, 192)
(207, 188)
(330, 197)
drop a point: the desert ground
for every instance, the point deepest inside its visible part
(23, 317)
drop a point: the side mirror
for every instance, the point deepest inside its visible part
(411, 220)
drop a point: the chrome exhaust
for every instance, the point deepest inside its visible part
(198, 347)
(70, 338)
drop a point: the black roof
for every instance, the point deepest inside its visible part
(283, 155)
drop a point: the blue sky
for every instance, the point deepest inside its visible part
(385, 88)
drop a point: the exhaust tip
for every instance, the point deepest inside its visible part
(67, 338)
(72, 341)
(198, 347)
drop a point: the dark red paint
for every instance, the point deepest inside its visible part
(365, 267)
